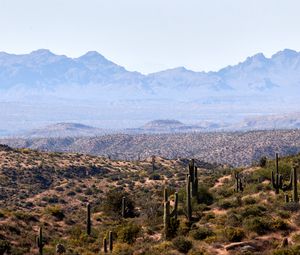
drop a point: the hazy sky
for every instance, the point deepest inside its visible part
(150, 35)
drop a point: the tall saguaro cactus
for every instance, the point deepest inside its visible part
(40, 241)
(104, 245)
(193, 173)
(88, 219)
(188, 198)
(295, 188)
(123, 207)
(238, 183)
(110, 241)
(169, 214)
(277, 179)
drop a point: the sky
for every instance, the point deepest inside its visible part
(152, 35)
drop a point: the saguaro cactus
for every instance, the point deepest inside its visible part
(123, 207)
(104, 245)
(188, 198)
(40, 242)
(110, 241)
(193, 172)
(167, 214)
(295, 188)
(277, 179)
(238, 183)
(153, 163)
(88, 219)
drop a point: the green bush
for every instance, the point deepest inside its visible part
(113, 203)
(128, 233)
(258, 225)
(122, 249)
(204, 196)
(228, 203)
(253, 210)
(201, 233)
(155, 177)
(4, 247)
(234, 234)
(56, 212)
(279, 224)
(182, 244)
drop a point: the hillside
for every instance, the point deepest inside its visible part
(52, 190)
(64, 130)
(233, 148)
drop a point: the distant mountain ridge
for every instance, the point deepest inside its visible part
(41, 68)
(51, 88)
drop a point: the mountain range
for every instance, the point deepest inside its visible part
(42, 88)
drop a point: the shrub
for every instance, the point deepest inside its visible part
(201, 233)
(4, 247)
(233, 220)
(234, 234)
(182, 244)
(155, 177)
(227, 204)
(257, 224)
(279, 224)
(128, 233)
(263, 161)
(56, 212)
(253, 210)
(249, 201)
(113, 203)
(204, 196)
(122, 249)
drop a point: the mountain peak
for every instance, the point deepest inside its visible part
(42, 52)
(286, 53)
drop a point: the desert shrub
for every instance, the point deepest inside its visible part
(263, 161)
(291, 207)
(56, 212)
(196, 252)
(224, 192)
(249, 201)
(204, 196)
(234, 234)
(122, 249)
(228, 203)
(201, 233)
(257, 224)
(4, 247)
(233, 219)
(284, 214)
(182, 244)
(26, 217)
(287, 251)
(253, 210)
(155, 177)
(128, 233)
(59, 189)
(113, 203)
(51, 200)
(279, 224)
